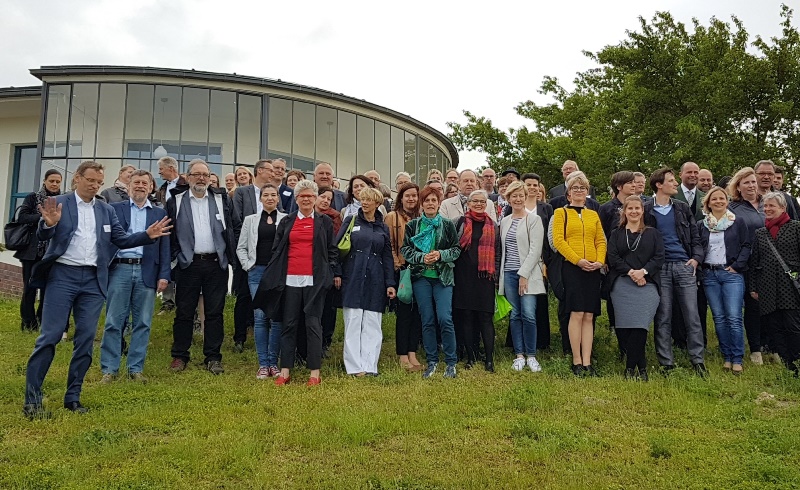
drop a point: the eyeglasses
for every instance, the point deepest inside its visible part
(477, 201)
(306, 196)
(198, 174)
(578, 188)
(765, 174)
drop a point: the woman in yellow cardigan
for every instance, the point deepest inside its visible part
(583, 245)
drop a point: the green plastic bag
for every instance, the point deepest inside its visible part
(344, 243)
(404, 291)
(501, 307)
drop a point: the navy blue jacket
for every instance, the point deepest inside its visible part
(156, 258)
(685, 226)
(111, 236)
(738, 244)
(368, 269)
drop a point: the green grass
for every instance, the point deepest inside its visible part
(503, 430)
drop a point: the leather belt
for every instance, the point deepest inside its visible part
(714, 267)
(120, 260)
(212, 257)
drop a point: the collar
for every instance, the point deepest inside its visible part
(146, 204)
(662, 206)
(81, 202)
(686, 189)
(175, 180)
(192, 196)
(300, 215)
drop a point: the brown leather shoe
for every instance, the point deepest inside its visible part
(177, 365)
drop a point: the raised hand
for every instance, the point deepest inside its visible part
(159, 228)
(51, 212)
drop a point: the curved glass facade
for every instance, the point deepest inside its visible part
(137, 123)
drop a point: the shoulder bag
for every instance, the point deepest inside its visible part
(17, 235)
(555, 264)
(344, 243)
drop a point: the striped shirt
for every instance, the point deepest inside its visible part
(512, 252)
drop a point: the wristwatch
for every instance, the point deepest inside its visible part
(645, 271)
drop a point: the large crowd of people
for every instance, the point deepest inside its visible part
(300, 249)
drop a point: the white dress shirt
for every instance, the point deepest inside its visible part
(689, 194)
(171, 185)
(259, 205)
(201, 219)
(300, 281)
(82, 249)
(716, 249)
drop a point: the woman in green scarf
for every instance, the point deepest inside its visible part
(431, 247)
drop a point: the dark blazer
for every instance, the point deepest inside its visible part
(161, 193)
(288, 203)
(325, 259)
(685, 225)
(561, 201)
(339, 198)
(156, 258)
(29, 215)
(738, 243)
(114, 194)
(108, 242)
(649, 255)
(561, 189)
(698, 197)
(244, 204)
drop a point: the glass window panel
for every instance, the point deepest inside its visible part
(83, 122)
(382, 148)
(397, 157)
(326, 135)
(222, 127)
(346, 146)
(55, 135)
(139, 120)
(279, 135)
(248, 141)
(26, 170)
(303, 126)
(410, 152)
(167, 121)
(194, 124)
(423, 149)
(365, 138)
(110, 120)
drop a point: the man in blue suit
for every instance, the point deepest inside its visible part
(75, 267)
(135, 276)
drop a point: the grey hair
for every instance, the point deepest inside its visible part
(465, 171)
(168, 162)
(403, 174)
(764, 162)
(305, 185)
(479, 191)
(196, 161)
(279, 160)
(778, 197)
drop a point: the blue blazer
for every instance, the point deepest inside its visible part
(737, 243)
(108, 242)
(156, 259)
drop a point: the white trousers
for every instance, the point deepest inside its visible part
(363, 338)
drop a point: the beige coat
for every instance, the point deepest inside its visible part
(452, 209)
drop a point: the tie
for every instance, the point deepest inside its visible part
(692, 202)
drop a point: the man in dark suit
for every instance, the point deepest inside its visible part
(168, 170)
(765, 174)
(559, 190)
(688, 191)
(203, 246)
(134, 277)
(83, 234)
(246, 201)
(286, 202)
(323, 176)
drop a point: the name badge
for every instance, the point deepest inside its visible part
(356, 228)
(107, 228)
(287, 193)
(219, 217)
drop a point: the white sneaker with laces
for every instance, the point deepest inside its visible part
(519, 364)
(534, 365)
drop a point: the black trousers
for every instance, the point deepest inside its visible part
(30, 316)
(477, 325)
(243, 310)
(294, 301)
(542, 322)
(632, 342)
(328, 317)
(785, 335)
(206, 277)
(408, 328)
(756, 336)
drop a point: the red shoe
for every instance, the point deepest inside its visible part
(280, 380)
(313, 381)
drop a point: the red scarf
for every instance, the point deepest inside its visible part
(773, 225)
(485, 244)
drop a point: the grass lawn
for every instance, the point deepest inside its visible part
(504, 430)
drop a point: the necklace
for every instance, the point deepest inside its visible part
(635, 242)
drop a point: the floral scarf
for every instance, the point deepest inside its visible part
(486, 243)
(424, 240)
(716, 226)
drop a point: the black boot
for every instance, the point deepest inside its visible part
(643, 374)
(630, 374)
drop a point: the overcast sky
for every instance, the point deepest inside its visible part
(427, 59)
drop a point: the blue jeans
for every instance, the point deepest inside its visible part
(126, 294)
(268, 345)
(429, 294)
(725, 294)
(522, 321)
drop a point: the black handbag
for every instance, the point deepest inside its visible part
(17, 235)
(555, 263)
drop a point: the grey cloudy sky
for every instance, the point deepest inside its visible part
(427, 59)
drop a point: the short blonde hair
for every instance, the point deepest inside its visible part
(514, 187)
(305, 185)
(579, 178)
(707, 197)
(371, 194)
(738, 177)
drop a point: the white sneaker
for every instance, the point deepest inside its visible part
(519, 364)
(534, 365)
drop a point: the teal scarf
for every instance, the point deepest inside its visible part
(424, 240)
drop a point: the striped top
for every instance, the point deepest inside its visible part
(512, 252)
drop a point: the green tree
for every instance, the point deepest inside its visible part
(662, 96)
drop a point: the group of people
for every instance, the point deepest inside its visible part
(300, 249)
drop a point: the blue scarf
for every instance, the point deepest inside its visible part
(425, 238)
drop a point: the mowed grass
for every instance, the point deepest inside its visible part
(504, 430)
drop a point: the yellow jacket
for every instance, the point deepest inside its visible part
(584, 238)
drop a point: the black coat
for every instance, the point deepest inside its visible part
(325, 259)
(737, 244)
(685, 226)
(767, 278)
(29, 215)
(649, 255)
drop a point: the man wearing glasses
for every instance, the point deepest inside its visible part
(455, 207)
(202, 243)
(765, 175)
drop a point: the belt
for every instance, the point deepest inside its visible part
(127, 261)
(212, 257)
(714, 267)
